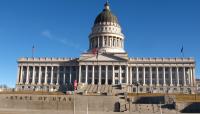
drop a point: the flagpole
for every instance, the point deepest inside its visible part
(182, 52)
(33, 48)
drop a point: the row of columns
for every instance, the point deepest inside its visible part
(100, 74)
(21, 75)
(190, 77)
(106, 41)
(129, 75)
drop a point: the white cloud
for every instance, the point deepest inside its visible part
(47, 34)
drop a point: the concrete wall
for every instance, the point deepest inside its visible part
(57, 102)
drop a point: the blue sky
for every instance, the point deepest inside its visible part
(60, 28)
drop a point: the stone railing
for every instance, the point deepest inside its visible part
(44, 59)
(161, 60)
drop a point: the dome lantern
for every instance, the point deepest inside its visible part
(106, 6)
(106, 15)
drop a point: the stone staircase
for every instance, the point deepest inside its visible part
(100, 89)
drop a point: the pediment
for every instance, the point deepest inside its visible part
(102, 57)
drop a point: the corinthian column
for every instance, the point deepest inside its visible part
(171, 81)
(194, 77)
(70, 74)
(157, 77)
(93, 74)
(191, 77)
(45, 79)
(40, 75)
(64, 75)
(21, 75)
(106, 75)
(99, 74)
(79, 74)
(131, 76)
(184, 78)
(27, 75)
(33, 81)
(86, 74)
(120, 74)
(144, 83)
(113, 75)
(150, 70)
(127, 75)
(137, 74)
(51, 75)
(58, 76)
(177, 76)
(18, 76)
(164, 79)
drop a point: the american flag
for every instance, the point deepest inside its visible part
(33, 50)
(95, 51)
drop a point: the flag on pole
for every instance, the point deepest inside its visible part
(33, 50)
(182, 49)
(95, 51)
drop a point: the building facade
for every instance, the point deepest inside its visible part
(107, 63)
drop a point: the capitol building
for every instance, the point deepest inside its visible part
(106, 63)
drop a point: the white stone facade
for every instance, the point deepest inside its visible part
(110, 65)
(53, 74)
